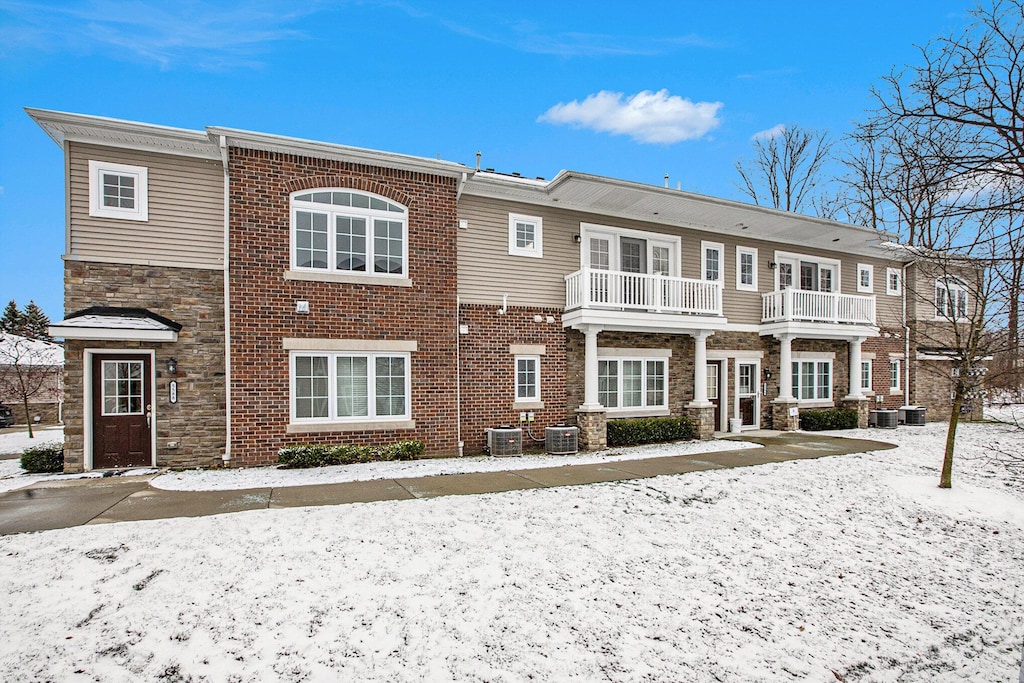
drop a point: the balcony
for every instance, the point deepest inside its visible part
(800, 306)
(589, 289)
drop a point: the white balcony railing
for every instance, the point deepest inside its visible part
(819, 307)
(589, 288)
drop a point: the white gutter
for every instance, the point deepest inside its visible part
(227, 302)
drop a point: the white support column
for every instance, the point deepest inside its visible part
(785, 368)
(590, 397)
(700, 370)
(856, 392)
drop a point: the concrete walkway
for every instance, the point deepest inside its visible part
(62, 504)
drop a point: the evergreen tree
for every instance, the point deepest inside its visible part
(35, 323)
(13, 321)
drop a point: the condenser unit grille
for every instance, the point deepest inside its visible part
(561, 440)
(884, 419)
(505, 441)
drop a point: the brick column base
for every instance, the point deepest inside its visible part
(593, 429)
(861, 406)
(703, 419)
(781, 419)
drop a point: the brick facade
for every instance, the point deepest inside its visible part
(192, 297)
(263, 301)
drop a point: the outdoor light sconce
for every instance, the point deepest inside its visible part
(577, 238)
(773, 265)
(172, 366)
(767, 374)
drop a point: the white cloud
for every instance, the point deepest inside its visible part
(769, 133)
(651, 117)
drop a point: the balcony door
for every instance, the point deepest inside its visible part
(806, 275)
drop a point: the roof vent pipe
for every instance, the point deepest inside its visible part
(666, 181)
(478, 160)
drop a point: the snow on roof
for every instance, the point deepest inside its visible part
(29, 351)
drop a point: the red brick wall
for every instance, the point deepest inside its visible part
(488, 370)
(263, 302)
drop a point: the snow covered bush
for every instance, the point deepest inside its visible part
(830, 418)
(46, 457)
(321, 455)
(649, 430)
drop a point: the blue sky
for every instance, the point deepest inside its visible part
(628, 90)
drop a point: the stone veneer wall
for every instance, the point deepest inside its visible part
(488, 371)
(263, 301)
(189, 296)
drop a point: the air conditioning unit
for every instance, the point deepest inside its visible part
(912, 415)
(883, 419)
(505, 440)
(561, 440)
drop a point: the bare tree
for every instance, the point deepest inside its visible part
(786, 167)
(28, 368)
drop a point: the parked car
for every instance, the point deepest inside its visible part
(6, 417)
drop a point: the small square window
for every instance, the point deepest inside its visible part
(525, 235)
(865, 278)
(118, 191)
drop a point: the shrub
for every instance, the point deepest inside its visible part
(322, 455)
(831, 418)
(649, 430)
(47, 457)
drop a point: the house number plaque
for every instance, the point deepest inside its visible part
(173, 389)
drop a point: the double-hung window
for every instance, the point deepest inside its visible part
(812, 380)
(893, 286)
(865, 375)
(712, 261)
(527, 379)
(350, 232)
(118, 191)
(950, 299)
(894, 375)
(632, 383)
(354, 387)
(865, 278)
(746, 269)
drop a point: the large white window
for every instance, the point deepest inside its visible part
(893, 284)
(808, 273)
(353, 387)
(118, 191)
(625, 384)
(629, 251)
(527, 379)
(712, 261)
(865, 375)
(950, 299)
(812, 380)
(894, 376)
(350, 232)
(525, 235)
(865, 278)
(746, 268)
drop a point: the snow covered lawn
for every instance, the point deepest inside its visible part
(783, 572)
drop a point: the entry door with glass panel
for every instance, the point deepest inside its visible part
(746, 393)
(122, 411)
(633, 259)
(714, 390)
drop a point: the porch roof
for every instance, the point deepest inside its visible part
(116, 324)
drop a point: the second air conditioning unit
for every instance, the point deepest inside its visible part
(561, 440)
(505, 440)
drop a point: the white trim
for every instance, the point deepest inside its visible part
(719, 354)
(814, 355)
(345, 278)
(107, 334)
(756, 378)
(368, 345)
(800, 357)
(614, 234)
(950, 285)
(140, 174)
(636, 411)
(332, 420)
(896, 388)
(87, 408)
(870, 270)
(740, 251)
(631, 353)
(870, 363)
(537, 250)
(536, 398)
(705, 247)
(795, 258)
(376, 426)
(527, 349)
(893, 291)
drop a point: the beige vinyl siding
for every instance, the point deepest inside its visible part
(486, 271)
(186, 211)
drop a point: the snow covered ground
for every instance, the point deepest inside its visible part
(855, 565)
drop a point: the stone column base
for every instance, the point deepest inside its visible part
(861, 406)
(703, 418)
(593, 426)
(781, 419)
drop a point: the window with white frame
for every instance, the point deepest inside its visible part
(865, 375)
(812, 380)
(354, 387)
(527, 378)
(865, 278)
(525, 235)
(807, 273)
(894, 375)
(118, 191)
(631, 251)
(347, 231)
(950, 299)
(712, 261)
(632, 383)
(746, 268)
(893, 284)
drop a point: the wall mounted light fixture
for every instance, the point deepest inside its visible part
(773, 265)
(577, 238)
(172, 366)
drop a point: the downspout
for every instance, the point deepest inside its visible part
(458, 375)
(227, 302)
(906, 337)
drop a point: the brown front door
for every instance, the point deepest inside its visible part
(122, 414)
(747, 393)
(715, 390)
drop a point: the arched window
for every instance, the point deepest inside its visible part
(950, 299)
(348, 231)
